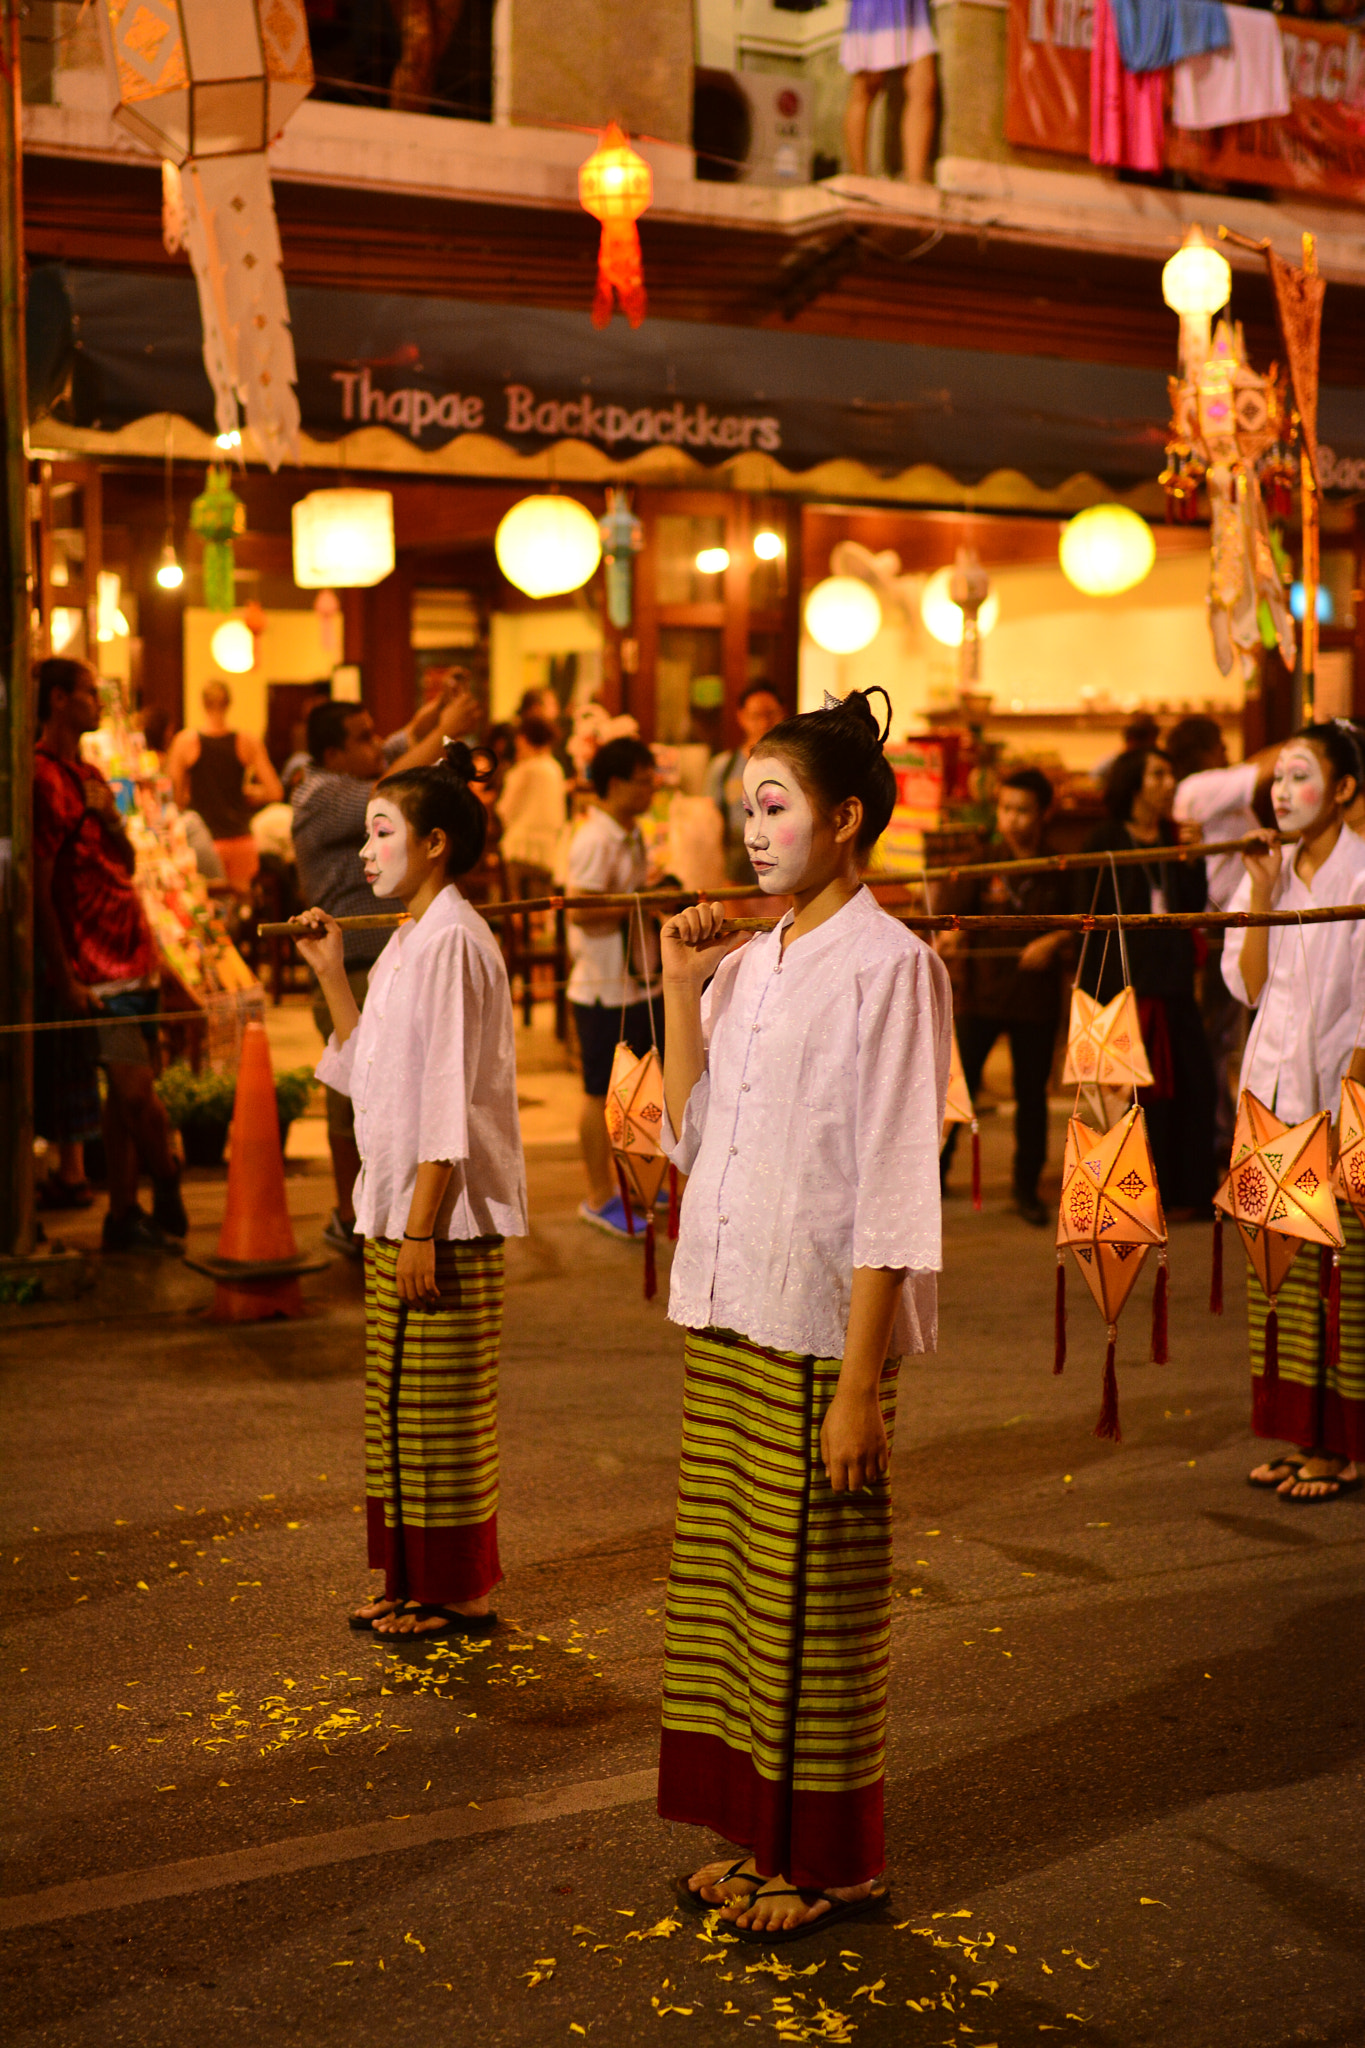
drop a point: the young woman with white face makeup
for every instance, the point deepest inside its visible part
(430, 1066)
(1307, 987)
(805, 1089)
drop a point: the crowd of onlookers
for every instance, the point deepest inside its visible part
(565, 810)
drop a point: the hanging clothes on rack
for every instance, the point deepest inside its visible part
(1245, 82)
(1127, 126)
(1154, 34)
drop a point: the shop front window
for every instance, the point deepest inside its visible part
(692, 558)
(690, 687)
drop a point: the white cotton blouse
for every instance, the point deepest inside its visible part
(812, 1137)
(1311, 1014)
(431, 1070)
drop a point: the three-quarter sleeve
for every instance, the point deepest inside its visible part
(448, 1023)
(337, 1064)
(901, 1082)
(1234, 939)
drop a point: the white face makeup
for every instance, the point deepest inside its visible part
(1298, 788)
(388, 844)
(778, 824)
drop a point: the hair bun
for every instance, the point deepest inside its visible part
(857, 707)
(471, 764)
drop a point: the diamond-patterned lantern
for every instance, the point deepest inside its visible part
(635, 1114)
(1110, 1218)
(199, 78)
(1350, 1177)
(1279, 1194)
(958, 1109)
(1105, 1056)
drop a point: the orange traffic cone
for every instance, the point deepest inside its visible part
(257, 1264)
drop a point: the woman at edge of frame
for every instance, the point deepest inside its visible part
(1307, 987)
(804, 1098)
(430, 1065)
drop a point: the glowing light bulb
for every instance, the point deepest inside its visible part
(169, 573)
(232, 440)
(767, 545)
(711, 561)
(843, 615)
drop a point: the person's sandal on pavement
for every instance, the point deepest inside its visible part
(136, 1232)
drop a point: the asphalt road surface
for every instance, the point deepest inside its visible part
(1124, 1773)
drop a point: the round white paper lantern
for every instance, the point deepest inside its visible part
(548, 545)
(343, 540)
(1106, 549)
(943, 618)
(233, 647)
(843, 615)
(1197, 281)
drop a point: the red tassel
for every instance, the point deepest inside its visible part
(976, 1166)
(1108, 1424)
(1059, 1316)
(1324, 1271)
(1160, 1311)
(651, 1269)
(1334, 1313)
(1265, 1387)
(1216, 1283)
(622, 1183)
(673, 1205)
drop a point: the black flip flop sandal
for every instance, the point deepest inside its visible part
(364, 1623)
(693, 1902)
(1317, 1500)
(1288, 1468)
(839, 1909)
(475, 1627)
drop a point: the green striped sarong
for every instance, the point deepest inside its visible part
(431, 1424)
(779, 1621)
(1313, 1404)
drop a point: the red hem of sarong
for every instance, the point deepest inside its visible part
(435, 1566)
(1290, 1416)
(816, 1839)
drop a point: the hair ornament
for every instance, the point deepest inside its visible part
(832, 703)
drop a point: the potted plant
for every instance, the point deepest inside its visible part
(200, 1106)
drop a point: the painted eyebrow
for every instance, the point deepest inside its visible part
(771, 782)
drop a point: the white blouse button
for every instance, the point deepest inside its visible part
(725, 1219)
(743, 1087)
(734, 1151)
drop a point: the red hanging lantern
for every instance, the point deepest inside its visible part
(615, 186)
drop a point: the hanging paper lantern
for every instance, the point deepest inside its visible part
(216, 514)
(1106, 1059)
(208, 84)
(1110, 1218)
(958, 1109)
(343, 540)
(1279, 1194)
(233, 647)
(843, 614)
(944, 619)
(1350, 1181)
(1106, 549)
(635, 1115)
(622, 536)
(1197, 281)
(548, 545)
(615, 186)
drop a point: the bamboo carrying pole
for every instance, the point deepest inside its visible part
(910, 878)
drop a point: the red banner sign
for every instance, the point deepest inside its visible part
(1319, 146)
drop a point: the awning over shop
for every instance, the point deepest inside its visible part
(430, 378)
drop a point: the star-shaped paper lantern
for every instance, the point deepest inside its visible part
(957, 1109)
(1279, 1189)
(1350, 1180)
(1110, 1218)
(635, 1114)
(1105, 1056)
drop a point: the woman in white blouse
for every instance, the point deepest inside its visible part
(430, 1066)
(805, 1091)
(1307, 986)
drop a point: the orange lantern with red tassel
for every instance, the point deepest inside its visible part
(635, 1114)
(1110, 1218)
(1279, 1194)
(615, 186)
